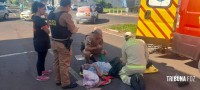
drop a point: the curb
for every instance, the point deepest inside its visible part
(113, 30)
(133, 15)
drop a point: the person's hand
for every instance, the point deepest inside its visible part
(103, 78)
(98, 46)
(104, 52)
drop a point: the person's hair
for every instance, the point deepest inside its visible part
(97, 32)
(65, 3)
(35, 6)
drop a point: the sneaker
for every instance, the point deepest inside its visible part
(42, 78)
(46, 72)
(72, 85)
(58, 83)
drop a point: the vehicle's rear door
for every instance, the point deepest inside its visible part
(190, 19)
(156, 18)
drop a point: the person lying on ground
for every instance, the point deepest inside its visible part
(100, 68)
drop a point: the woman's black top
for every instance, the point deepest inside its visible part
(41, 39)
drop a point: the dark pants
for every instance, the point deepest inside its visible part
(41, 62)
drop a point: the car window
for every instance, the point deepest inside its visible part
(1, 7)
(84, 9)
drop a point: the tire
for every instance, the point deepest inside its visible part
(94, 21)
(97, 18)
(5, 17)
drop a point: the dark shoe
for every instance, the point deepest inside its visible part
(141, 82)
(182, 84)
(58, 83)
(93, 59)
(149, 63)
(72, 85)
(134, 82)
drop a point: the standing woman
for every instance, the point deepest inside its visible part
(41, 39)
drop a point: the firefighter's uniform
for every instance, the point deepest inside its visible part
(62, 27)
(134, 56)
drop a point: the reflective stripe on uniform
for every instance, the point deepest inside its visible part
(136, 66)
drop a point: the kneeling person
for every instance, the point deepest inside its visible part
(93, 45)
(134, 56)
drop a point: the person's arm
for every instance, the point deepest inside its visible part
(42, 24)
(88, 41)
(101, 45)
(88, 48)
(70, 23)
(99, 73)
(46, 29)
(124, 57)
(146, 51)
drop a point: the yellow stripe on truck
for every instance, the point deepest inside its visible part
(151, 26)
(144, 29)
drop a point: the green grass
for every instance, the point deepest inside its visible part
(106, 10)
(124, 27)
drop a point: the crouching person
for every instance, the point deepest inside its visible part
(93, 45)
(134, 56)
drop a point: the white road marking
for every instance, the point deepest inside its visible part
(74, 74)
(14, 54)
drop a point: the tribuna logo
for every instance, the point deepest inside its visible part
(180, 78)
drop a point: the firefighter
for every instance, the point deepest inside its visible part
(134, 57)
(62, 28)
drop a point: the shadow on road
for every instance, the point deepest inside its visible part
(13, 19)
(9, 19)
(193, 64)
(99, 21)
(173, 56)
(25, 64)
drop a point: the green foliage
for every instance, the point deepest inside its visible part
(104, 4)
(114, 10)
(124, 27)
(16, 2)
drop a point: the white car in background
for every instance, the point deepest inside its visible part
(86, 14)
(26, 15)
(4, 13)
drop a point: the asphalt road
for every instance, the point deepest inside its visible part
(18, 59)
